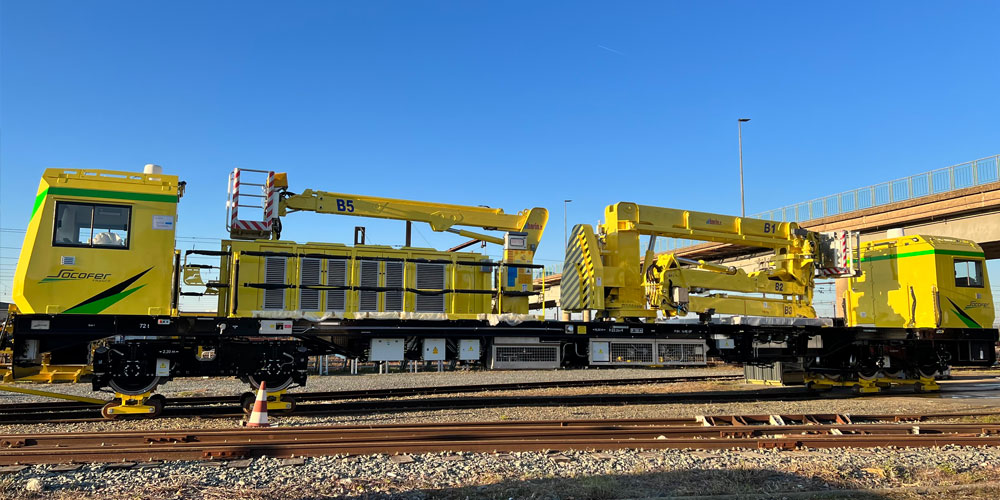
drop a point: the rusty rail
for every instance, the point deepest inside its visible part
(217, 444)
(222, 405)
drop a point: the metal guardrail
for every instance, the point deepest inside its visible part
(942, 180)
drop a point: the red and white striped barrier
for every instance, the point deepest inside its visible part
(271, 201)
(269, 205)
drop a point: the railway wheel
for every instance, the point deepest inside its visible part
(291, 404)
(106, 409)
(247, 399)
(157, 401)
(274, 382)
(868, 373)
(134, 385)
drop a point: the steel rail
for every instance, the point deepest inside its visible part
(19, 409)
(363, 407)
(496, 436)
(368, 406)
(319, 435)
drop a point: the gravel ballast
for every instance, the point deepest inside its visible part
(572, 474)
(909, 403)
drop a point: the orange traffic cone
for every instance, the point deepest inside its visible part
(258, 417)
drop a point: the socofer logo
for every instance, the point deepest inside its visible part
(69, 274)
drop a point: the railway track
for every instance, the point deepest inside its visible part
(208, 405)
(361, 407)
(761, 431)
(368, 406)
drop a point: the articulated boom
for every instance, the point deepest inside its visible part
(440, 216)
(604, 271)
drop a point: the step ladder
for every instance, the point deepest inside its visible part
(255, 191)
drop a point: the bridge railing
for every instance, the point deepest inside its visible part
(942, 180)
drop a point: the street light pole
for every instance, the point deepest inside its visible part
(743, 207)
(565, 233)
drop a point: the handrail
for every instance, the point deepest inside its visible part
(943, 180)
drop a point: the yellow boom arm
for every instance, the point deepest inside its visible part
(440, 216)
(604, 271)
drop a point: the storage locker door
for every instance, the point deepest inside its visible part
(394, 279)
(368, 300)
(430, 277)
(309, 276)
(336, 275)
(274, 274)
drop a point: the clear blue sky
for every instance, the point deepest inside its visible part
(510, 104)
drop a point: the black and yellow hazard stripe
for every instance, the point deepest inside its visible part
(108, 297)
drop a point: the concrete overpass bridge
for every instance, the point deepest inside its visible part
(961, 201)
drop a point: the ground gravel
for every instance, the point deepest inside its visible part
(912, 403)
(572, 474)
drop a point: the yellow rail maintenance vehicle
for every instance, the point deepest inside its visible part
(915, 305)
(99, 264)
(99, 282)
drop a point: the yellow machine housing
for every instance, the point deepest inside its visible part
(523, 230)
(286, 279)
(513, 281)
(99, 242)
(920, 282)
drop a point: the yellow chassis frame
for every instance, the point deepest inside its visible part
(131, 405)
(864, 386)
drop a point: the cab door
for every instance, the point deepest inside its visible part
(969, 303)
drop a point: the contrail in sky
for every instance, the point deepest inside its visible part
(609, 49)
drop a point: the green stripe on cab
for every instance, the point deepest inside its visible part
(116, 195)
(959, 253)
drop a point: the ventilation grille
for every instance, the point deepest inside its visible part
(654, 352)
(671, 353)
(632, 352)
(525, 357)
(430, 277)
(394, 279)
(274, 274)
(525, 353)
(309, 276)
(336, 275)
(681, 353)
(368, 300)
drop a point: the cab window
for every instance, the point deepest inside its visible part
(969, 273)
(91, 225)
